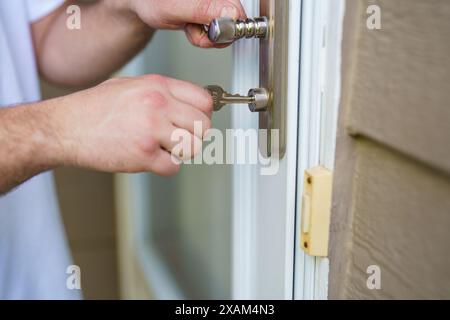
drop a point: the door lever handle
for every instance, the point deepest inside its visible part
(227, 30)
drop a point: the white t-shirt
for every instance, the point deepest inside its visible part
(34, 254)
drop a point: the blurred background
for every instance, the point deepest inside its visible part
(186, 241)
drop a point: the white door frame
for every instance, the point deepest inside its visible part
(311, 135)
(320, 86)
(263, 268)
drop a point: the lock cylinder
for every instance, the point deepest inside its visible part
(227, 30)
(260, 100)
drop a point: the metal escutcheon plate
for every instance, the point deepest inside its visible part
(274, 76)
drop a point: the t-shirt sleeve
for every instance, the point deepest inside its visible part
(38, 9)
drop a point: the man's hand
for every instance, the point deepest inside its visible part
(126, 124)
(113, 31)
(122, 125)
(189, 15)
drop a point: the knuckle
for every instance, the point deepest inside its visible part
(154, 99)
(148, 145)
(205, 8)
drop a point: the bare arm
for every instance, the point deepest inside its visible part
(27, 142)
(113, 31)
(122, 125)
(108, 38)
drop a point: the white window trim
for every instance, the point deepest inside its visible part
(245, 76)
(157, 273)
(320, 84)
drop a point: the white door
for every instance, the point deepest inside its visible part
(264, 205)
(228, 231)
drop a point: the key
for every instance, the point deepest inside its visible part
(221, 98)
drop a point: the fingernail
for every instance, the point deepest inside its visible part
(229, 12)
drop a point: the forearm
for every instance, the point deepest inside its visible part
(109, 37)
(28, 144)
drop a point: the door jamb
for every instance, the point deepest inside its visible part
(320, 85)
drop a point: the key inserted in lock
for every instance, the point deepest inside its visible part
(273, 31)
(257, 99)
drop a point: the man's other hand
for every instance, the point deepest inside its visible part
(190, 15)
(126, 124)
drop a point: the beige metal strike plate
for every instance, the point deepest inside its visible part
(316, 211)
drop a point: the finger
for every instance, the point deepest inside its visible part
(203, 11)
(163, 164)
(180, 142)
(191, 119)
(191, 94)
(198, 37)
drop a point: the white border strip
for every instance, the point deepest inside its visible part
(319, 103)
(295, 9)
(246, 66)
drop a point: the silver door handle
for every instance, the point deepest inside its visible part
(272, 28)
(227, 30)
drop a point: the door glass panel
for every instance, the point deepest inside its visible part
(189, 216)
